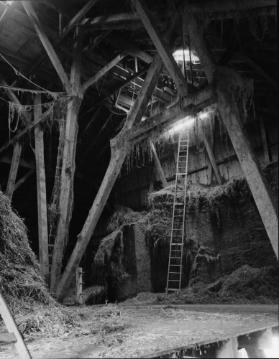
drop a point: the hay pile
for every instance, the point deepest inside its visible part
(244, 285)
(21, 282)
(124, 216)
(20, 278)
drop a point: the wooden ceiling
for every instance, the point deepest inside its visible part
(242, 35)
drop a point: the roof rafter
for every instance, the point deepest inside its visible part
(47, 44)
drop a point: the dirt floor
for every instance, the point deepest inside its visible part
(140, 330)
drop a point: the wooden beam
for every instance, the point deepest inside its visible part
(10, 324)
(119, 150)
(190, 105)
(47, 44)
(161, 47)
(23, 163)
(41, 191)
(158, 166)
(211, 158)
(227, 104)
(102, 72)
(254, 66)
(78, 17)
(226, 6)
(110, 21)
(13, 170)
(23, 179)
(266, 152)
(65, 201)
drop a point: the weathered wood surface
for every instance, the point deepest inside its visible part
(41, 191)
(161, 46)
(211, 157)
(10, 324)
(102, 72)
(47, 44)
(158, 166)
(65, 202)
(225, 80)
(119, 150)
(13, 169)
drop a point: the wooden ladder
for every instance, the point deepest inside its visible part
(13, 336)
(178, 216)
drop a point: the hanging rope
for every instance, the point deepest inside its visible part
(18, 73)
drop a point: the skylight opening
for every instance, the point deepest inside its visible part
(181, 55)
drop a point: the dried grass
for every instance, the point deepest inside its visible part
(21, 282)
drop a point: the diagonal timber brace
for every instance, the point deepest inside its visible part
(119, 150)
(226, 82)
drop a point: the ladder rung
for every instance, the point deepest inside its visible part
(174, 280)
(175, 265)
(173, 289)
(174, 273)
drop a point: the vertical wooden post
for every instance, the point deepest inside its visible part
(79, 298)
(119, 150)
(158, 165)
(13, 170)
(65, 201)
(41, 190)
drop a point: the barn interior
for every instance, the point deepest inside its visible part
(138, 178)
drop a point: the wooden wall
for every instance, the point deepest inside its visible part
(132, 188)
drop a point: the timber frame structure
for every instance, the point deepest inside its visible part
(86, 58)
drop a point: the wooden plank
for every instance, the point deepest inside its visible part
(102, 72)
(161, 47)
(119, 150)
(10, 324)
(158, 166)
(47, 44)
(41, 191)
(258, 185)
(13, 170)
(78, 17)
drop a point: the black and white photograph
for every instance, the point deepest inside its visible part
(139, 179)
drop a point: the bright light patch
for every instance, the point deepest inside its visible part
(8, 2)
(179, 57)
(203, 115)
(271, 347)
(182, 125)
(242, 353)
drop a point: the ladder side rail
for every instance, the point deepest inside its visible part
(184, 205)
(173, 210)
(10, 324)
